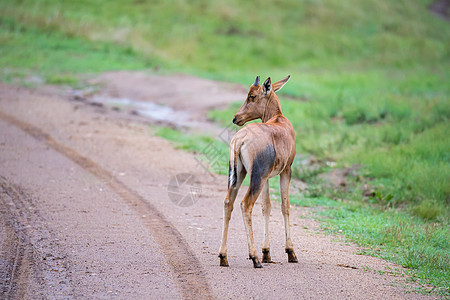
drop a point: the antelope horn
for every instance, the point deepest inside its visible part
(256, 81)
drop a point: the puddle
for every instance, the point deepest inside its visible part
(148, 109)
(155, 113)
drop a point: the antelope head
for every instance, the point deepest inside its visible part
(257, 100)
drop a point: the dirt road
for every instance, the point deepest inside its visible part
(85, 212)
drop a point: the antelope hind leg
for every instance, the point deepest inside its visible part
(227, 210)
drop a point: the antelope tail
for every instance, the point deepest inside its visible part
(235, 149)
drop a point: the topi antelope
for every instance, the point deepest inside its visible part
(263, 150)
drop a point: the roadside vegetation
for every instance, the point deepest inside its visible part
(369, 93)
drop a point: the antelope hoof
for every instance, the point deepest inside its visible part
(266, 256)
(256, 263)
(223, 260)
(292, 258)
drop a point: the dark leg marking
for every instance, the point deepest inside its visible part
(292, 258)
(256, 263)
(262, 165)
(266, 256)
(223, 260)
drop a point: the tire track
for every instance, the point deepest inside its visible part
(25, 267)
(12, 253)
(16, 249)
(190, 276)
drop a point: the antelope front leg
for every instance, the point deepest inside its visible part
(285, 178)
(266, 208)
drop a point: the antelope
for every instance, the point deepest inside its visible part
(262, 150)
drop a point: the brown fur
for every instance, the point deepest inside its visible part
(263, 150)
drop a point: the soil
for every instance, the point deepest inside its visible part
(86, 213)
(441, 8)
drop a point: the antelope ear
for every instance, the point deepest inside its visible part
(279, 84)
(267, 86)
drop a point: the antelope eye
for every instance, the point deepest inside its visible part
(251, 98)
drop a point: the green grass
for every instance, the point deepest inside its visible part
(396, 236)
(235, 39)
(369, 85)
(28, 51)
(408, 158)
(211, 153)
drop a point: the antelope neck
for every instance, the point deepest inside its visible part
(272, 108)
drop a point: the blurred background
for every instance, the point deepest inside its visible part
(369, 88)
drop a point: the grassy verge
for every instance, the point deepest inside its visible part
(210, 151)
(419, 246)
(406, 157)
